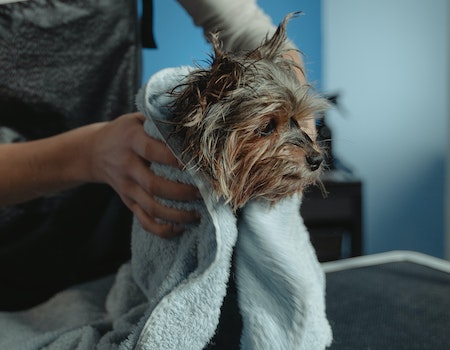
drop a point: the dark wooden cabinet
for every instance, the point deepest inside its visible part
(335, 221)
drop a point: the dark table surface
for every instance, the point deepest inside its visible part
(390, 305)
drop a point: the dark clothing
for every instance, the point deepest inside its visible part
(63, 64)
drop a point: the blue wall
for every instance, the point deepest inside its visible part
(398, 147)
(389, 60)
(181, 43)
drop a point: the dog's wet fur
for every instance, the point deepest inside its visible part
(244, 122)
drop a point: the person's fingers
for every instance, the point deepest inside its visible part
(153, 150)
(162, 187)
(149, 224)
(139, 116)
(155, 209)
(138, 185)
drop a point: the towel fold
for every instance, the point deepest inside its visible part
(170, 294)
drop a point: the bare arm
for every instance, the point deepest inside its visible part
(116, 153)
(43, 167)
(310, 123)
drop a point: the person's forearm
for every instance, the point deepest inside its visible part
(295, 56)
(116, 153)
(37, 168)
(242, 24)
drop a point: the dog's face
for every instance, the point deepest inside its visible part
(246, 124)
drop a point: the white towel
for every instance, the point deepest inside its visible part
(169, 296)
(280, 283)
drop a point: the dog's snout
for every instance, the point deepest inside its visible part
(314, 161)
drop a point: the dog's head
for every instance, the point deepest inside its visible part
(245, 119)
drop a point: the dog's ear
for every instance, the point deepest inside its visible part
(273, 47)
(225, 71)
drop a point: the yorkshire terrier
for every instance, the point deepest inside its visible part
(241, 126)
(244, 121)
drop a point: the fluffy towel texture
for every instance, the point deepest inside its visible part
(169, 295)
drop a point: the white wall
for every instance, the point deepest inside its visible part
(389, 59)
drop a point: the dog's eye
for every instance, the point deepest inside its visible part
(268, 128)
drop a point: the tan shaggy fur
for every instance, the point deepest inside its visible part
(243, 122)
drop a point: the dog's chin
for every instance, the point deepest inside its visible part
(301, 180)
(298, 182)
(269, 182)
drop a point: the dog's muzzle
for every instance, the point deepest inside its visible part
(314, 161)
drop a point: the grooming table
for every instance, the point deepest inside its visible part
(396, 300)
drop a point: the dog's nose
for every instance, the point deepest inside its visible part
(314, 161)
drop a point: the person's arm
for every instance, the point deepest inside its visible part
(310, 123)
(116, 153)
(242, 24)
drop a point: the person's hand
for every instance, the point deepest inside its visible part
(120, 157)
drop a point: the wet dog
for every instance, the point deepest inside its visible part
(244, 120)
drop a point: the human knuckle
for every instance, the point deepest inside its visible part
(149, 209)
(149, 150)
(148, 184)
